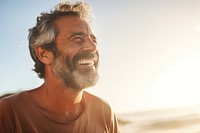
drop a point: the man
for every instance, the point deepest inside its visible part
(64, 50)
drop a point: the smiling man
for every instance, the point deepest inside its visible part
(63, 47)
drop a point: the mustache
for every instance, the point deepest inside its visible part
(71, 65)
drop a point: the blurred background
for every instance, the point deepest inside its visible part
(149, 51)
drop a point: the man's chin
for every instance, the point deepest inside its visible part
(85, 79)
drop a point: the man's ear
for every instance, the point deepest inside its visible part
(43, 55)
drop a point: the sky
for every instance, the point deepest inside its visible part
(149, 51)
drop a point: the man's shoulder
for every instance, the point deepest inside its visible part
(12, 98)
(93, 98)
(99, 110)
(96, 103)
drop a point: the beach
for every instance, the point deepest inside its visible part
(171, 120)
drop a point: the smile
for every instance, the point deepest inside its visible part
(89, 62)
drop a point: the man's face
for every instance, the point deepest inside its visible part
(76, 61)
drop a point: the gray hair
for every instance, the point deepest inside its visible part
(44, 33)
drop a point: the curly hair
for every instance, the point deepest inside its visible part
(44, 33)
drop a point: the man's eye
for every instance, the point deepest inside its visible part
(95, 41)
(78, 39)
(93, 38)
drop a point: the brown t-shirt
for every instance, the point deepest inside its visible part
(20, 114)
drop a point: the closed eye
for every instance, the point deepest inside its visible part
(93, 38)
(78, 39)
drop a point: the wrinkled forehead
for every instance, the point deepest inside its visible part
(72, 24)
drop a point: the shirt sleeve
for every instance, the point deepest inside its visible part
(111, 119)
(114, 127)
(6, 117)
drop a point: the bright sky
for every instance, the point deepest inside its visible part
(150, 51)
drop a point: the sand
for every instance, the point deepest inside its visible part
(176, 120)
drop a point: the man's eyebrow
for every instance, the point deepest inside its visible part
(81, 34)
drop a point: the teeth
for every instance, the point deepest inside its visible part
(84, 62)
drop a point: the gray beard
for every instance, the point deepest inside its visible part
(85, 80)
(73, 78)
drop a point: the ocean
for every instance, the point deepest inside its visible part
(170, 120)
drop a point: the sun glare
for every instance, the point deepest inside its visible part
(178, 85)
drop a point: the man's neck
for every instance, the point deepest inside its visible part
(60, 93)
(59, 100)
